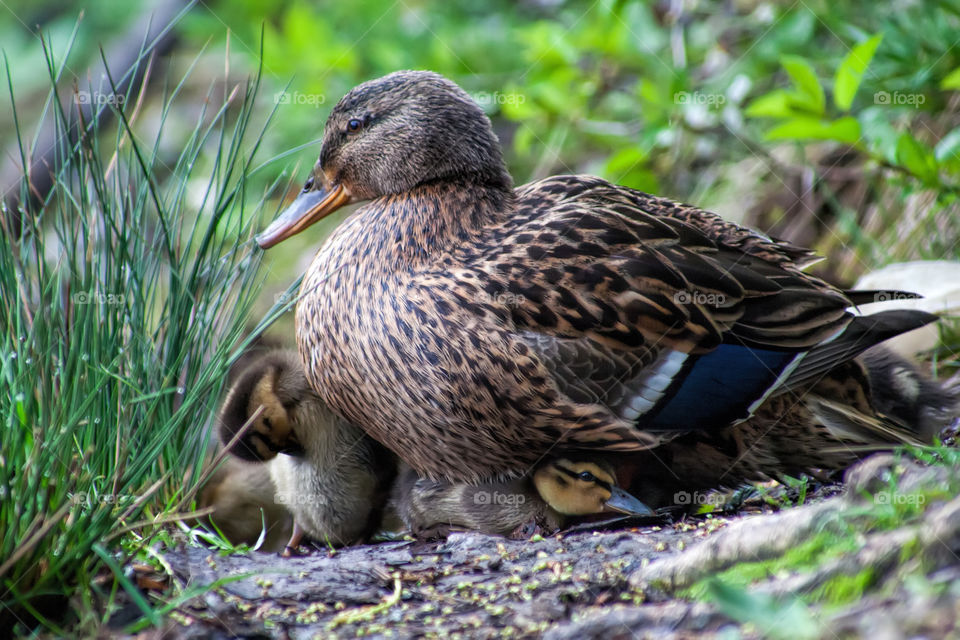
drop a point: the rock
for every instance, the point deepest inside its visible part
(938, 281)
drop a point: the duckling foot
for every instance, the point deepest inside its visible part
(526, 531)
(436, 532)
(294, 542)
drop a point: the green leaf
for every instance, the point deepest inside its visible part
(775, 104)
(917, 159)
(805, 80)
(947, 152)
(628, 167)
(851, 70)
(845, 130)
(949, 146)
(775, 618)
(952, 81)
(626, 159)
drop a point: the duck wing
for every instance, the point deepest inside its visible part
(669, 316)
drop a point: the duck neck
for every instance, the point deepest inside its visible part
(434, 218)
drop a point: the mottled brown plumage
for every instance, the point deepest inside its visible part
(475, 329)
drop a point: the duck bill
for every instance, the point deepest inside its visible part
(293, 447)
(307, 209)
(623, 502)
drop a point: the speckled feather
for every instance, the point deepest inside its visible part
(473, 328)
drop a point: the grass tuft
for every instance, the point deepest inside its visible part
(124, 299)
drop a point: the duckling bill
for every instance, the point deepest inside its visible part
(473, 327)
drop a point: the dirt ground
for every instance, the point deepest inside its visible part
(620, 582)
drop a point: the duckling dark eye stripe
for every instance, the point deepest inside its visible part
(576, 476)
(569, 472)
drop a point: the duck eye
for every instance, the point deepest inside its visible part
(586, 476)
(308, 184)
(354, 125)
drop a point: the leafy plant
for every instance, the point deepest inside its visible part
(801, 114)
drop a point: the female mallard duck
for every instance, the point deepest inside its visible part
(333, 478)
(559, 488)
(472, 327)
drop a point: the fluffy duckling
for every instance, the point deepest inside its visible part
(557, 489)
(330, 476)
(243, 498)
(901, 390)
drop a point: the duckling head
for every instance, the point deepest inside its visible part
(579, 488)
(275, 382)
(388, 136)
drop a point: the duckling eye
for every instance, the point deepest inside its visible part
(354, 125)
(586, 476)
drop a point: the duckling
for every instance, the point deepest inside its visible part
(558, 489)
(472, 327)
(243, 498)
(332, 477)
(901, 390)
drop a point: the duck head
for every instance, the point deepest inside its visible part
(388, 136)
(579, 488)
(274, 386)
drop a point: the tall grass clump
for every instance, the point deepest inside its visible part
(124, 297)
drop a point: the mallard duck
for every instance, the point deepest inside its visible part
(474, 328)
(558, 489)
(331, 476)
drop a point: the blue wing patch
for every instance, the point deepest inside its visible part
(718, 388)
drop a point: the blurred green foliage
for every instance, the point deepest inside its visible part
(717, 103)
